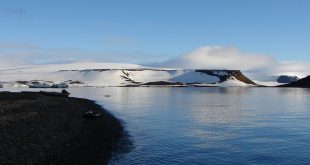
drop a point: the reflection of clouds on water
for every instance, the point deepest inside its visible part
(177, 125)
(214, 106)
(211, 114)
(172, 125)
(296, 91)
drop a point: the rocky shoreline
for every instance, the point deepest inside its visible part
(36, 128)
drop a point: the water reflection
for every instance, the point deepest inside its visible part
(210, 125)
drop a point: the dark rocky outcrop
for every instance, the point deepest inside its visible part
(230, 73)
(303, 83)
(164, 83)
(287, 79)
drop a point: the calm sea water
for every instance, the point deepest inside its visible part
(210, 125)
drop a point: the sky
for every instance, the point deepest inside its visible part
(151, 31)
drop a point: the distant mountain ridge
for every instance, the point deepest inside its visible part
(100, 74)
(230, 73)
(287, 79)
(304, 83)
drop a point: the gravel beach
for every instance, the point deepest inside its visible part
(39, 129)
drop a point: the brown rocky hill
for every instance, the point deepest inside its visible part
(229, 73)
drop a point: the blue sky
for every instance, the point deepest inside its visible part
(156, 29)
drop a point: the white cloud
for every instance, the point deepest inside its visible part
(220, 58)
(253, 65)
(7, 62)
(17, 54)
(217, 57)
(297, 68)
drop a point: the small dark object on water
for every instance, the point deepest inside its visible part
(107, 95)
(90, 115)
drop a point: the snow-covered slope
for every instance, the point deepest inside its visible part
(115, 74)
(267, 83)
(191, 76)
(84, 72)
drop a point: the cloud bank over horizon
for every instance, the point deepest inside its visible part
(219, 57)
(209, 57)
(12, 54)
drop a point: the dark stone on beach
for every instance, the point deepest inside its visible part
(91, 115)
(40, 129)
(65, 92)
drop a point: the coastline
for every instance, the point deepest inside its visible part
(40, 129)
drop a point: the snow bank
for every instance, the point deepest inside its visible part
(234, 83)
(112, 74)
(195, 77)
